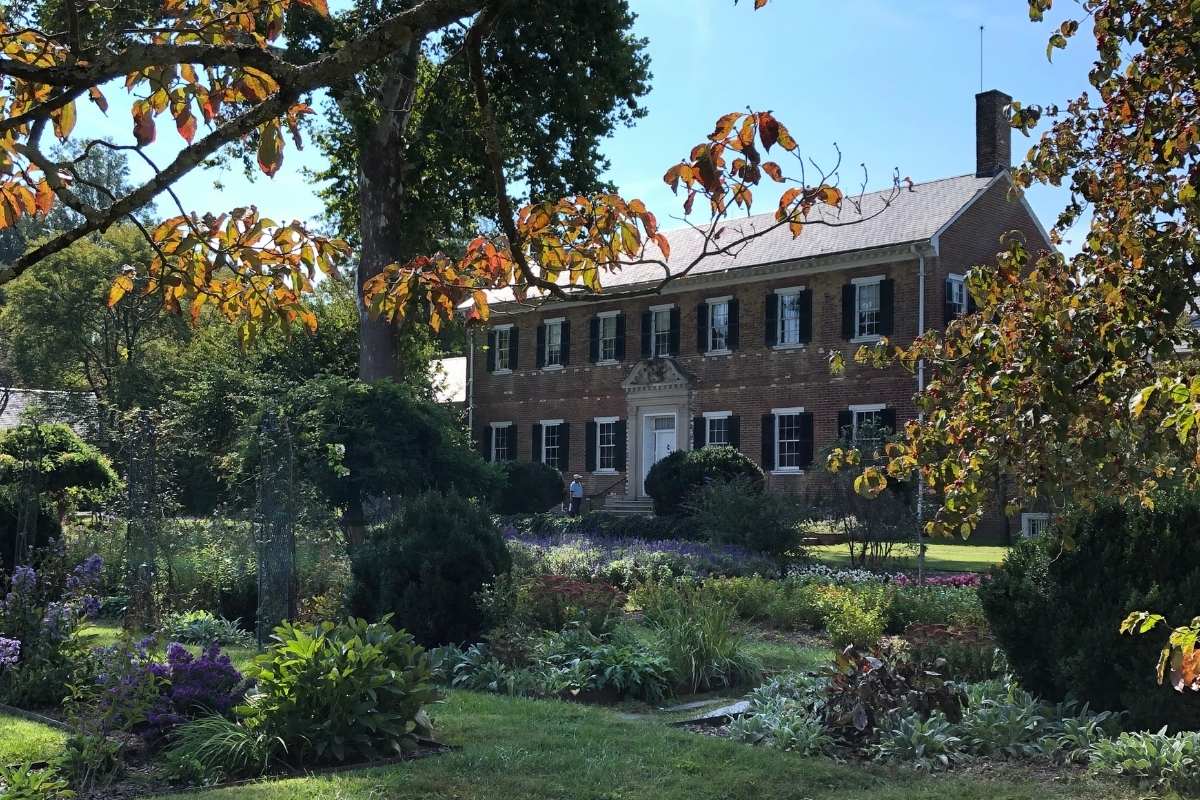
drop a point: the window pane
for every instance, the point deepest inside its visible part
(500, 443)
(868, 310)
(718, 431)
(550, 444)
(718, 326)
(553, 343)
(787, 428)
(502, 348)
(868, 435)
(958, 295)
(662, 333)
(606, 442)
(608, 338)
(789, 319)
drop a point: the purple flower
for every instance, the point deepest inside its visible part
(10, 652)
(24, 580)
(87, 574)
(58, 620)
(91, 606)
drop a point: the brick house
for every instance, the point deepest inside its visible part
(737, 351)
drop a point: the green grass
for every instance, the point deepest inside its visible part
(22, 740)
(779, 656)
(940, 557)
(547, 750)
(106, 633)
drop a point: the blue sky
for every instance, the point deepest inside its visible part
(892, 82)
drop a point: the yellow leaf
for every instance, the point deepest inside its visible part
(64, 121)
(120, 287)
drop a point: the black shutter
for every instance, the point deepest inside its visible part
(804, 308)
(512, 442)
(734, 427)
(594, 339)
(948, 313)
(485, 442)
(887, 313)
(848, 297)
(845, 424)
(620, 456)
(674, 336)
(535, 450)
(699, 436)
(806, 439)
(514, 349)
(768, 442)
(887, 418)
(732, 338)
(771, 319)
(647, 322)
(565, 342)
(971, 306)
(491, 353)
(621, 337)
(564, 446)
(541, 345)
(593, 463)
(702, 328)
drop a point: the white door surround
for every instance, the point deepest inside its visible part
(655, 389)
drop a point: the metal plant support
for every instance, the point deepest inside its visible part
(141, 533)
(275, 526)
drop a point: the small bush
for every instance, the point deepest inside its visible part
(202, 627)
(924, 743)
(849, 623)
(786, 713)
(528, 487)
(1056, 611)
(735, 512)
(23, 782)
(1168, 763)
(340, 692)
(969, 654)
(551, 602)
(934, 605)
(213, 748)
(673, 480)
(426, 567)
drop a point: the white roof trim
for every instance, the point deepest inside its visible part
(867, 407)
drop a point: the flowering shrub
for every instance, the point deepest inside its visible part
(956, 580)
(553, 601)
(39, 619)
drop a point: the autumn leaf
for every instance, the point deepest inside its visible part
(44, 199)
(97, 97)
(143, 126)
(320, 6)
(185, 123)
(772, 169)
(270, 148)
(121, 286)
(768, 130)
(64, 121)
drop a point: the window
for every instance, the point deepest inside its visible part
(789, 449)
(502, 440)
(866, 308)
(718, 325)
(553, 354)
(660, 331)
(608, 337)
(606, 444)
(867, 426)
(716, 429)
(1034, 524)
(503, 349)
(552, 444)
(956, 296)
(788, 322)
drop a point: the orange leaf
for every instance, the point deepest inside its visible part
(830, 195)
(185, 123)
(97, 97)
(64, 121)
(772, 169)
(44, 199)
(143, 127)
(320, 6)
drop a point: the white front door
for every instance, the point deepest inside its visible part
(659, 439)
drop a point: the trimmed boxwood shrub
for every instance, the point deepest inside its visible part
(426, 565)
(48, 526)
(1056, 610)
(672, 480)
(529, 487)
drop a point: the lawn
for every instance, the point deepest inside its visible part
(940, 557)
(548, 750)
(105, 633)
(22, 740)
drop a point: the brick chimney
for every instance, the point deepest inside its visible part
(993, 134)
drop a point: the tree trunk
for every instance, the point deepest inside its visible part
(382, 165)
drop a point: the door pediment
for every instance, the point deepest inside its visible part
(655, 375)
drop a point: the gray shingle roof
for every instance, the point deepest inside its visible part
(914, 215)
(57, 406)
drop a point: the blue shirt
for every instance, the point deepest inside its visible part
(576, 489)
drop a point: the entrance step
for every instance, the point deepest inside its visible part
(628, 506)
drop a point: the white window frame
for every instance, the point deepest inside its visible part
(858, 283)
(603, 316)
(555, 322)
(784, 412)
(786, 291)
(1028, 518)
(508, 445)
(596, 468)
(863, 408)
(549, 423)
(961, 282)
(665, 310)
(506, 349)
(708, 417)
(712, 302)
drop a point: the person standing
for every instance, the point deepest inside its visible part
(576, 494)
